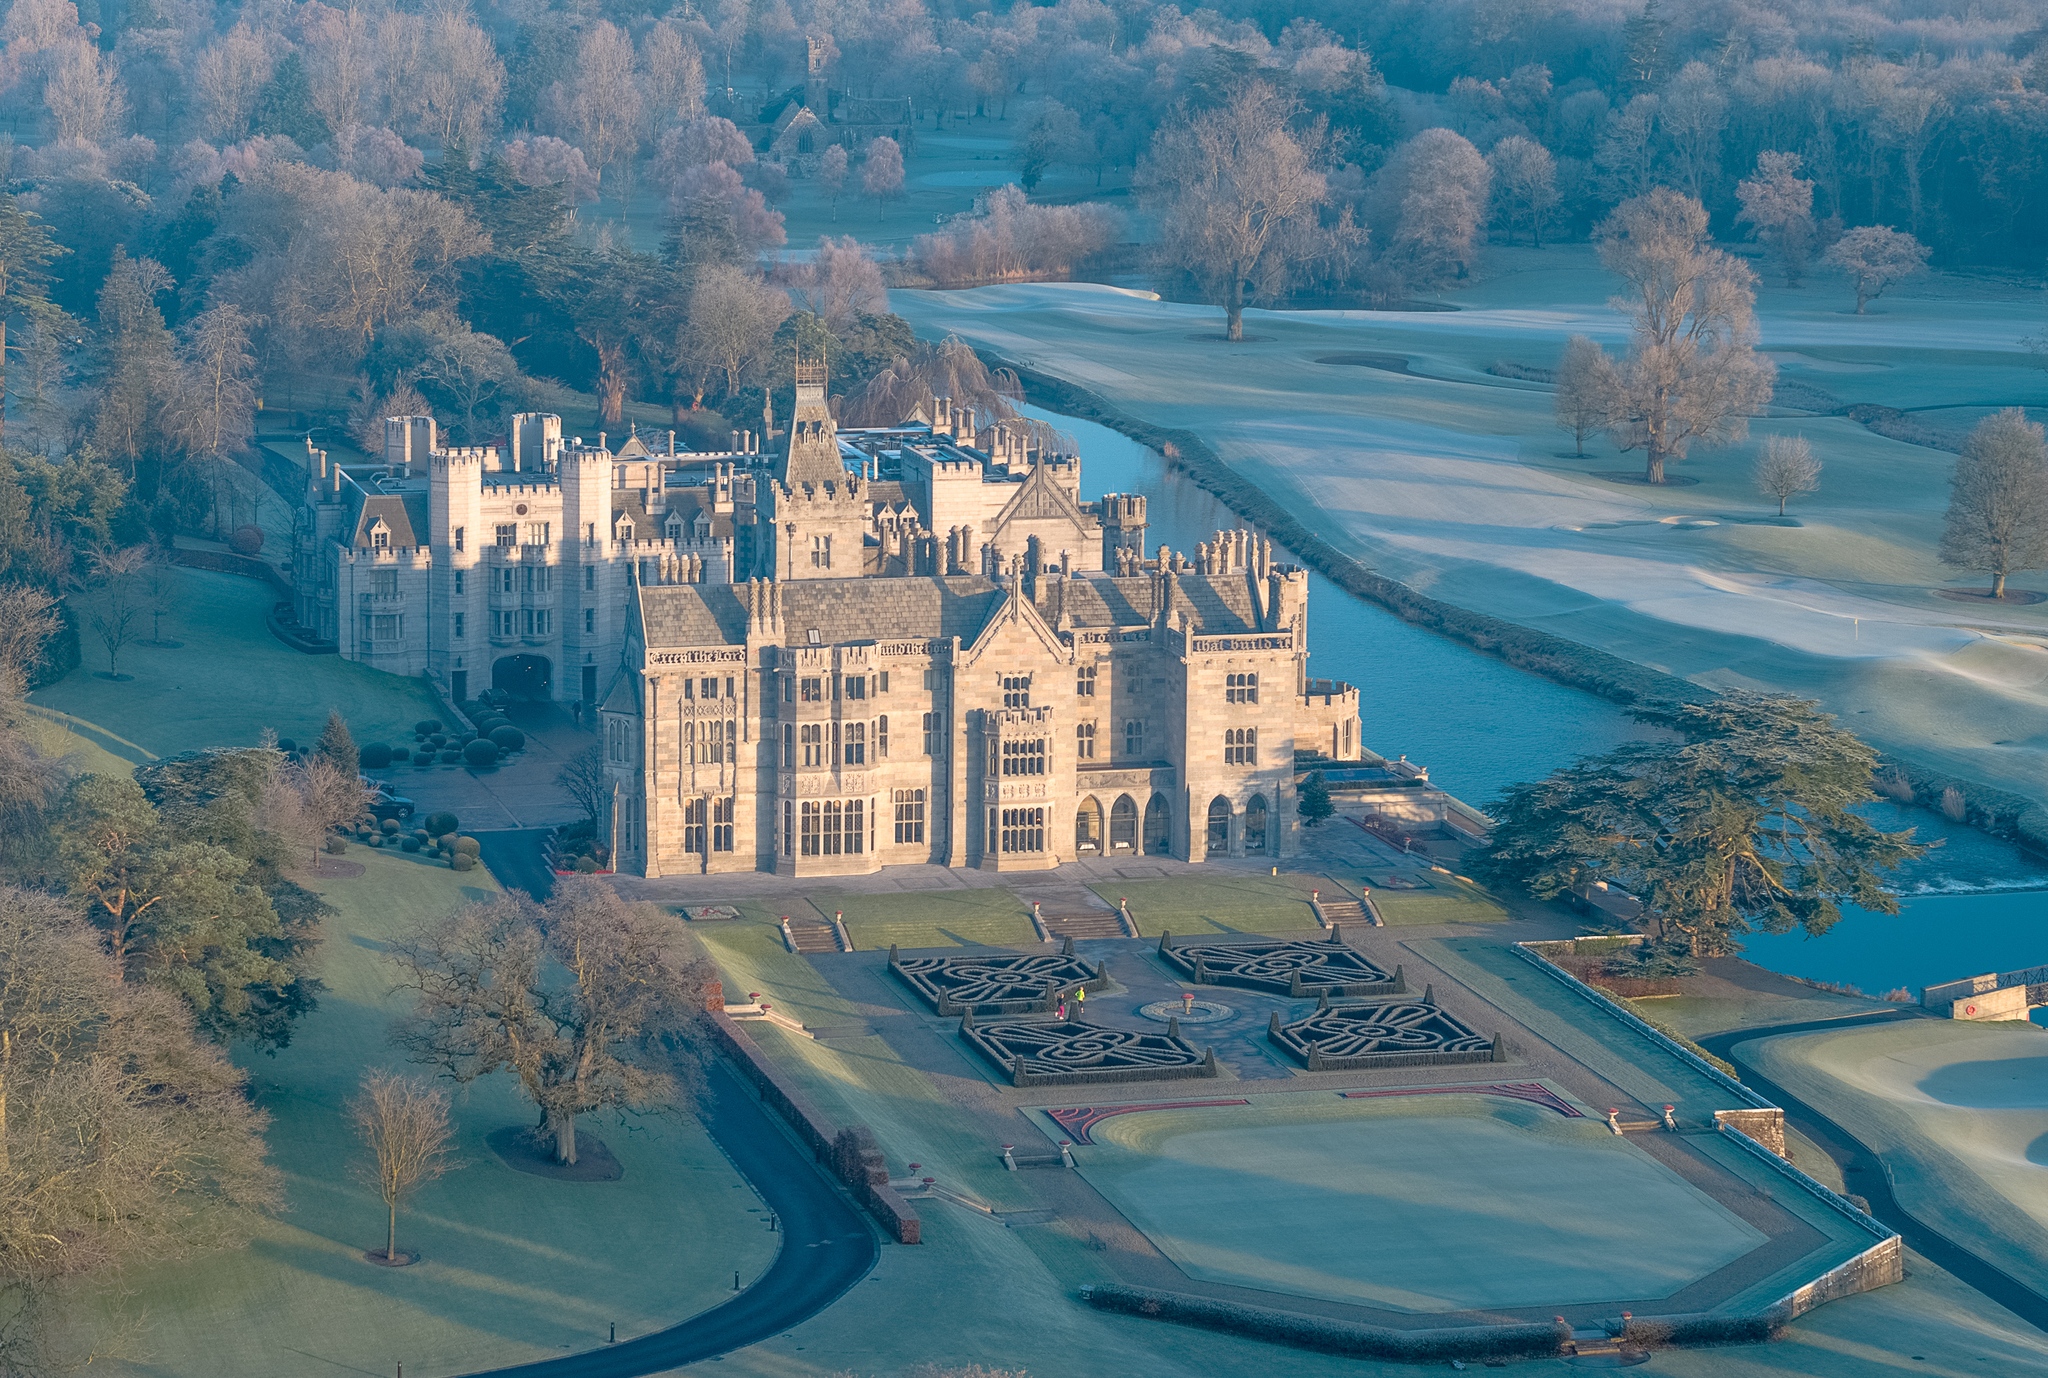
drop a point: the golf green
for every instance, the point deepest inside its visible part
(1435, 1204)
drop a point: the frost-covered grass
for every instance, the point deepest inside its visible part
(229, 680)
(1456, 480)
(514, 1267)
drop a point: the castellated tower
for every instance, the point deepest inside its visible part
(408, 440)
(536, 442)
(1123, 529)
(815, 511)
(456, 598)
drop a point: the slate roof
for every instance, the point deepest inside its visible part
(404, 513)
(1218, 604)
(854, 610)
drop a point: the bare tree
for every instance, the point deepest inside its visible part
(733, 316)
(1692, 373)
(840, 282)
(589, 1000)
(114, 602)
(461, 83)
(832, 175)
(583, 779)
(331, 796)
(1998, 500)
(1524, 185)
(1237, 196)
(1777, 205)
(403, 1122)
(123, 1136)
(1691, 118)
(881, 171)
(1874, 257)
(28, 619)
(1786, 468)
(949, 368)
(469, 366)
(84, 94)
(229, 77)
(672, 75)
(1587, 387)
(603, 102)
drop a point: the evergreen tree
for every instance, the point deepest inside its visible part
(1746, 822)
(1314, 802)
(26, 251)
(338, 746)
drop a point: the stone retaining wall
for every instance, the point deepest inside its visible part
(846, 1151)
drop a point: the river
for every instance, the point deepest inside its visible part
(1974, 904)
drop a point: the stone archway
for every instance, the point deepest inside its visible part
(1159, 827)
(1123, 825)
(1219, 827)
(1088, 828)
(526, 677)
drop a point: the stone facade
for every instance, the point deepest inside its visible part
(507, 567)
(989, 697)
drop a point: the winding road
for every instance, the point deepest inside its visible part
(827, 1247)
(1863, 1173)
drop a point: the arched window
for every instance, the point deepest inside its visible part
(1159, 827)
(1088, 828)
(1219, 824)
(1123, 825)
(1255, 824)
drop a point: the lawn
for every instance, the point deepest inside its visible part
(1498, 1204)
(1220, 903)
(1957, 1110)
(515, 1267)
(1446, 900)
(946, 918)
(229, 680)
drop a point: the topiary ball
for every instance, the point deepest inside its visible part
(451, 757)
(287, 745)
(335, 845)
(427, 727)
(374, 756)
(409, 843)
(587, 865)
(439, 824)
(470, 845)
(508, 738)
(481, 753)
(462, 861)
(389, 825)
(437, 739)
(246, 540)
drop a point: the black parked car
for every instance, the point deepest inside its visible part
(384, 804)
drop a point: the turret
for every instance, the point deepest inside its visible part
(536, 442)
(1123, 527)
(408, 440)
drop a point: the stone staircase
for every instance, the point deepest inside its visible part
(1096, 924)
(805, 936)
(1345, 911)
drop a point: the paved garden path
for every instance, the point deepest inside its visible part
(827, 1247)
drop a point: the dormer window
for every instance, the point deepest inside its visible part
(675, 528)
(625, 531)
(380, 535)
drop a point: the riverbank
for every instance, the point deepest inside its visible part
(1497, 546)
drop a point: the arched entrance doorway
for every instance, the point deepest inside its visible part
(1255, 825)
(524, 676)
(1123, 825)
(1159, 827)
(1219, 826)
(1088, 828)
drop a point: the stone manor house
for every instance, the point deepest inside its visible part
(914, 644)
